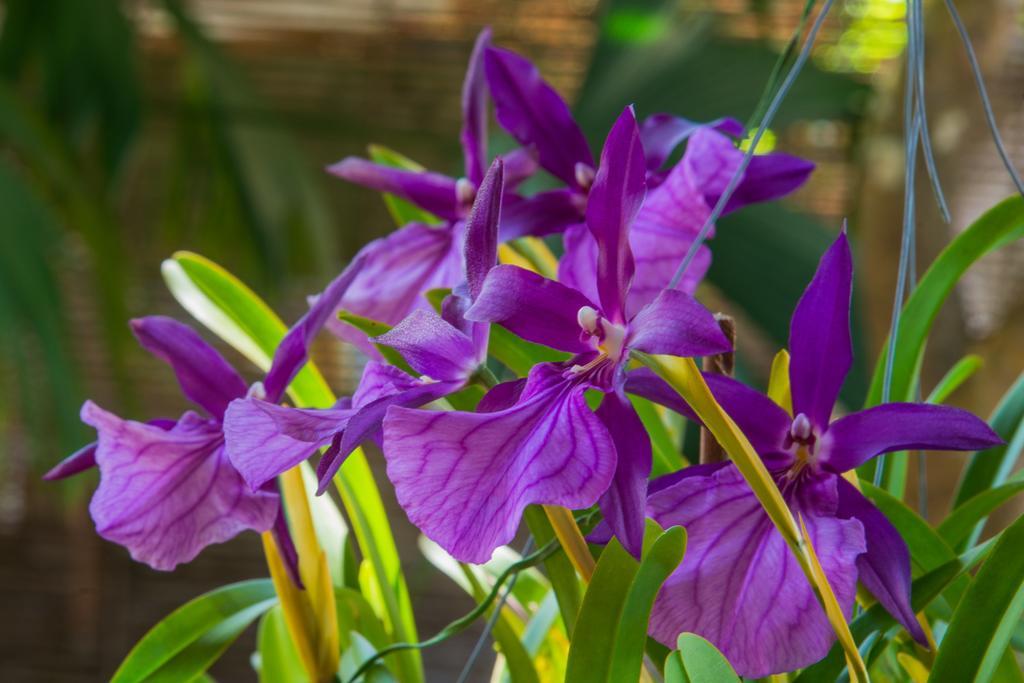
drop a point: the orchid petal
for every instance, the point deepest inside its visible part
(167, 494)
(397, 271)
(502, 396)
(431, 192)
(465, 478)
(676, 324)
(533, 307)
(205, 377)
(739, 586)
(432, 346)
(265, 439)
(535, 115)
(884, 568)
(474, 111)
(292, 352)
(623, 503)
(856, 438)
(762, 421)
(79, 461)
(645, 383)
(662, 133)
(520, 165)
(614, 201)
(380, 380)
(544, 213)
(819, 336)
(578, 266)
(481, 245)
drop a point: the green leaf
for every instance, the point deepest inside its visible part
(238, 316)
(186, 642)
(984, 620)
(278, 660)
(667, 456)
(561, 573)
(954, 378)
(1000, 225)
(698, 661)
(403, 211)
(958, 526)
(519, 355)
(608, 643)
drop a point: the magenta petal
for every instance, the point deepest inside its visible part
(614, 201)
(739, 585)
(819, 336)
(292, 352)
(762, 421)
(884, 568)
(481, 247)
(645, 383)
(167, 494)
(768, 177)
(265, 439)
(397, 271)
(535, 308)
(578, 266)
(542, 214)
(79, 461)
(676, 324)
(853, 440)
(502, 396)
(520, 165)
(474, 111)
(662, 133)
(465, 478)
(380, 380)
(432, 346)
(430, 191)
(205, 377)
(623, 503)
(535, 115)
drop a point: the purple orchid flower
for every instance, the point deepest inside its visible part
(167, 488)
(265, 439)
(465, 478)
(739, 585)
(678, 201)
(419, 257)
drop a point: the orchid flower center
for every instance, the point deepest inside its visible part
(611, 338)
(257, 391)
(585, 174)
(465, 193)
(801, 434)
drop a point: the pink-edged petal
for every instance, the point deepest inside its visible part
(884, 568)
(624, 502)
(762, 421)
(205, 376)
(676, 324)
(465, 478)
(431, 192)
(292, 352)
(432, 346)
(739, 585)
(535, 115)
(167, 494)
(264, 439)
(81, 460)
(615, 199)
(533, 307)
(481, 244)
(662, 133)
(819, 336)
(398, 270)
(366, 423)
(474, 111)
(544, 213)
(856, 438)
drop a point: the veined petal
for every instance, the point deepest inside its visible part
(544, 213)
(431, 346)
(380, 380)
(398, 270)
(676, 324)
(474, 111)
(819, 336)
(167, 494)
(264, 439)
(624, 502)
(856, 438)
(535, 308)
(615, 199)
(431, 192)
(662, 133)
(481, 243)
(205, 377)
(740, 586)
(465, 478)
(884, 568)
(535, 115)
(292, 352)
